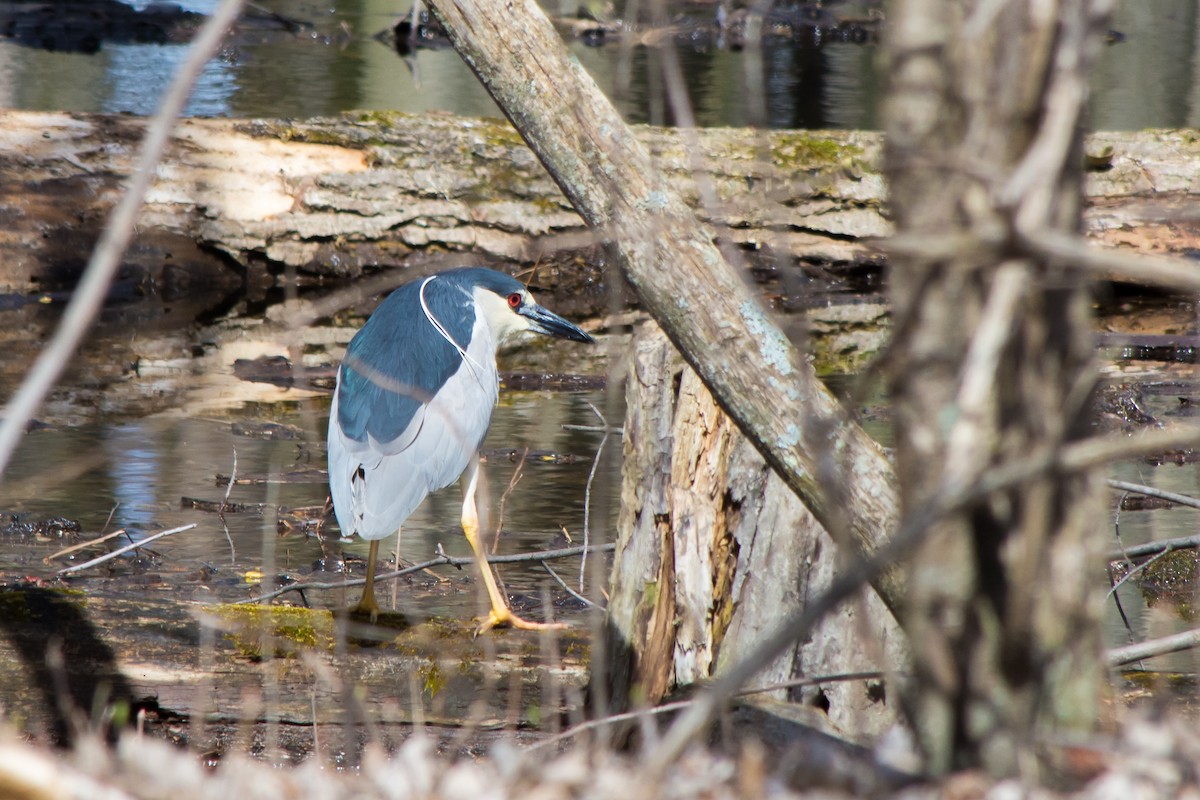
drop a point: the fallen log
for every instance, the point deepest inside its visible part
(240, 203)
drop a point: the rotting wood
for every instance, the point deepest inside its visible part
(332, 197)
(680, 276)
(714, 550)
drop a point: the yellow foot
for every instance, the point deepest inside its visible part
(498, 618)
(367, 607)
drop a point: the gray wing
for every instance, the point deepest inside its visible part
(377, 485)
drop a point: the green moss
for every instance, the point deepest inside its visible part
(1174, 572)
(497, 133)
(1170, 580)
(444, 638)
(449, 628)
(386, 119)
(290, 629)
(329, 137)
(433, 680)
(1148, 680)
(649, 595)
(796, 151)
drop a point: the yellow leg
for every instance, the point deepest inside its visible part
(367, 605)
(500, 613)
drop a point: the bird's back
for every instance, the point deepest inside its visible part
(410, 411)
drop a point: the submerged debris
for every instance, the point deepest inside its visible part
(45, 528)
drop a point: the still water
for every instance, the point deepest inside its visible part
(141, 471)
(1147, 79)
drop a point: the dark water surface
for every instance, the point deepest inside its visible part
(1147, 79)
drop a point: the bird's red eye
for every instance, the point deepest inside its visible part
(514, 300)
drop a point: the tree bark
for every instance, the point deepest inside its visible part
(714, 550)
(330, 198)
(992, 359)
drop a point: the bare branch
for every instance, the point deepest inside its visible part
(1150, 548)
(1169, 273)
(89, 543)
(122, 550)
(571, 591)
(1154, 647)
(441, 559)
(1150, 491)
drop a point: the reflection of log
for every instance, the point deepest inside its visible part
(715, 551)
(239, 202)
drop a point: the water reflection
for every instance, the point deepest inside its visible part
(1151, 620)
(1149, 79)
(339, 64)
(134, 476)
(145, 468)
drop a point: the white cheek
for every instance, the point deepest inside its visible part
(504, 323)
(512, 326)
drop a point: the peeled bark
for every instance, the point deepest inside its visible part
(714, 551)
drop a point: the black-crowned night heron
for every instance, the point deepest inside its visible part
(415, 394)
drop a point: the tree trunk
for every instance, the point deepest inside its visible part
(991, 361)
(714, 550)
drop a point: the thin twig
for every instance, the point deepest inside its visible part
(112, 512)
(225, 505)
(1153, 647)
(1135, 571)
(440, 560)
(1151, 548)
(594, 428)
(1121, 609)
(232, 478)
(123, 550)
(1150, 491)
(1170, 273)
(587, 492)
(795, 683)
(676, 705)
(93, 287)
(1116, 598)
(571, 591)
(82, 545)
(518, 473)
